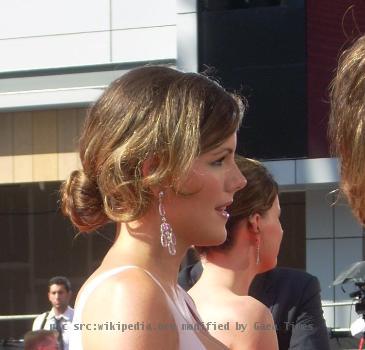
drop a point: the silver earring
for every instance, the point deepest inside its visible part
(168, 238)
(258, 253)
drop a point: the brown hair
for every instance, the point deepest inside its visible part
(33, 340)
(256, 197)
(154, 113)
(346, 124)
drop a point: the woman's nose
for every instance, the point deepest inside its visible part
(243, 182)
(239, 180)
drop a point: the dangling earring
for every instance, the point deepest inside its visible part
(168, 238)
(258, 253)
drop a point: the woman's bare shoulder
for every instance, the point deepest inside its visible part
(134, 311)
(248, 305)
(253, 324)
(237, 308)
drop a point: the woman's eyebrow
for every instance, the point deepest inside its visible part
(222, 150)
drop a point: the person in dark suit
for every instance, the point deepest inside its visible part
(293, 296)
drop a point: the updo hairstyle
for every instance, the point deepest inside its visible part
(151, 113)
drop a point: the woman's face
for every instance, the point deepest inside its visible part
(271, 236)
(200, 217)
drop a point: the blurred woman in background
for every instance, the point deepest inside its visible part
(254, 235)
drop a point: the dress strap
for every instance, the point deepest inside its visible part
(187, 340)
(105, 275)
(93, 284)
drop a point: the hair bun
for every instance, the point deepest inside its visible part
(81, 201)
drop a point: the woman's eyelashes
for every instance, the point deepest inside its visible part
(219, 162)
(226, 156)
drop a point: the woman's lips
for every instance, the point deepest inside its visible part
(223, 212)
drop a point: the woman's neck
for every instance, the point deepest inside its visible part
(138, 243)
(220, 271)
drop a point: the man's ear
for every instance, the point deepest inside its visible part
(254, 223)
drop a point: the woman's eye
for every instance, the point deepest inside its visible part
(219, 161)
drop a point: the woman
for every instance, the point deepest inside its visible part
(347, 124)
(253, 240)
(157, 153)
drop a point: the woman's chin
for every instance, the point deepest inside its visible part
(220, 239)
(213, 240)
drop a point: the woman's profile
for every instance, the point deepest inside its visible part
(254, 235)
(157, 154)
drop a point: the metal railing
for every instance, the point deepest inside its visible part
(17, 317)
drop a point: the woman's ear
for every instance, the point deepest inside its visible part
(148, 166)
(254, 223)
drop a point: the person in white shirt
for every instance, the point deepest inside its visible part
(60, 317)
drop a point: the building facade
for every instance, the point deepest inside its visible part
(56, 59)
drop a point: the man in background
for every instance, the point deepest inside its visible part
(60, 317)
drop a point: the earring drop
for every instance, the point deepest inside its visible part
(258, 253)
(168, 238)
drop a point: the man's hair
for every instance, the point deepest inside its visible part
(60, 280)
(33, 340)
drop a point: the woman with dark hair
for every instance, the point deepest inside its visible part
(254, 235)
(157, 155)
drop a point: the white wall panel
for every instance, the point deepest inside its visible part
(345, 315)
(24, 18)
(283, 171)
(144, 44)
(143, 13)
(320, 264)
(347, 252)
(317, 171)
(319, 214)
(328, 314)
(56, 51)
(187, 42)
(186, 6)
(59, 81)
(345, 222)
